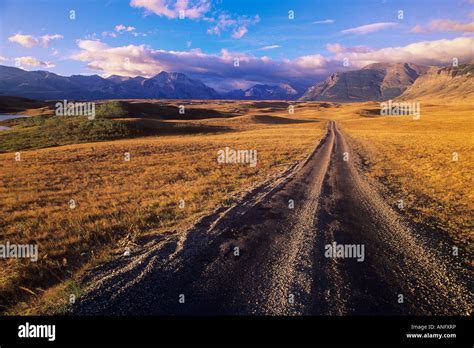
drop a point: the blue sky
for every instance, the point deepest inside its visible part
(143, 37)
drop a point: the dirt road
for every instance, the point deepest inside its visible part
(265, 256)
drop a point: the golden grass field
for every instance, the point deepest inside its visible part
(119, 202)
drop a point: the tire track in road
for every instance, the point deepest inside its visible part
(281, 268)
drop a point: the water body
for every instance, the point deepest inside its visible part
(4, 117)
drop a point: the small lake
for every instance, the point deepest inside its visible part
(4, 117)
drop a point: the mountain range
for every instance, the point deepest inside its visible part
(45, 85)
(380, 81)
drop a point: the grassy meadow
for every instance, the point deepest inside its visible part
(118, 202)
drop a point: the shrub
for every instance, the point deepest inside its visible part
(112, 109)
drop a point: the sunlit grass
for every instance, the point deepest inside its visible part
(415, 159)
(119, 200)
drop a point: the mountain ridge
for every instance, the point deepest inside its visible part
(444, 83)
(378, 81)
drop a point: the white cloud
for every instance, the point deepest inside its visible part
(121, 27)
(30, 41)
(109, 33)
(129, 60)
(239, 25)
(224, 21)
(338, 48)
(325, 21)
(218, 69)
(193, 9)
(24, 40)
(135, 34)
(270, 47)
(370, 28)
(445, 26)
(335, 48)
(31, 61)
(197, 10)
(239, 32)
(437, 52)
(141, 60)
(46, 38)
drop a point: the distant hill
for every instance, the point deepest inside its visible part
(443, 83)
(264, 92)
(380, 81)
(44, 85)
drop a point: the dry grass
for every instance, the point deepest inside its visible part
(414, 158)
(118, 202)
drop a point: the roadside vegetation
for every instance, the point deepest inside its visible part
(39, 132)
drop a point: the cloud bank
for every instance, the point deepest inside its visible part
(219, 70)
